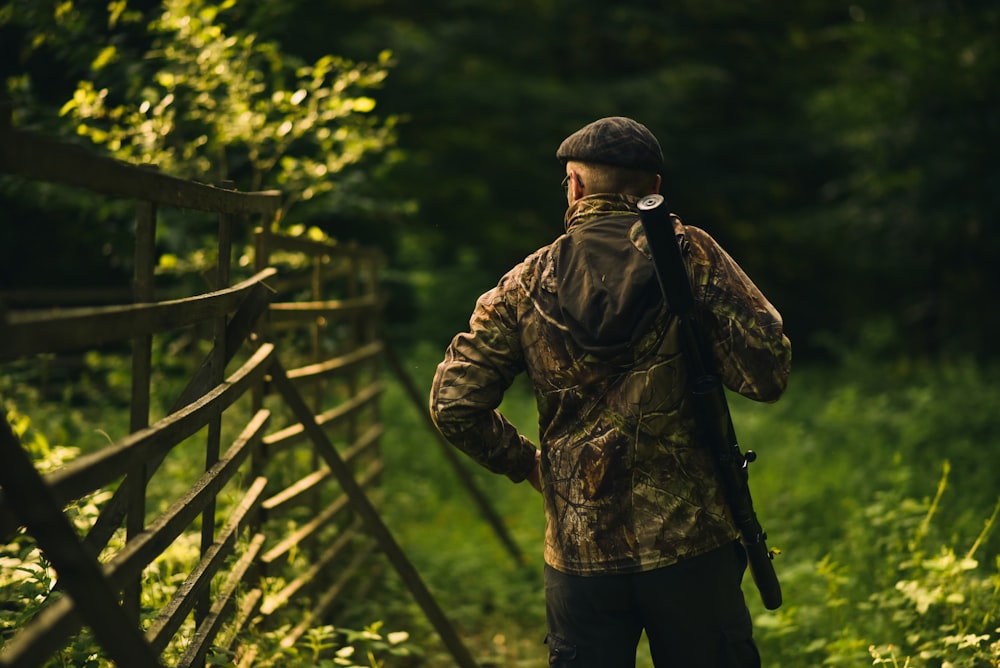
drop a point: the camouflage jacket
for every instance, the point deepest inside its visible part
(626, 485)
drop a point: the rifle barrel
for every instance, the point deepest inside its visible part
(708, 396)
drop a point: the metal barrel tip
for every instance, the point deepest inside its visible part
(650, 202)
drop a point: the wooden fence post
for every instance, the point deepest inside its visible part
(142, 364)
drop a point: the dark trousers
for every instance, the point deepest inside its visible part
(693, 613)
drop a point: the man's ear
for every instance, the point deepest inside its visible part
(576, 185)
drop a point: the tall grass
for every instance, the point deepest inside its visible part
(876, 481)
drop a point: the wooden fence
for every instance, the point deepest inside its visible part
(283, 409)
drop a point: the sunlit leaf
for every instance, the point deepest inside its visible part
(364, 104)
(397, 637)
(106, 55)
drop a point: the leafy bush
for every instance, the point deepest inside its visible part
(895, 586)
(327, 646)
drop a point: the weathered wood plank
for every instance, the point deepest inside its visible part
(291, 494)
(325, 601)
(172, 615)
(35, 641)
(338, 364)
(297, 280)
(287, 437)
(55, 330)
(66, 296)
(223, 602)
(239, 329)
(142, 372)
(36, 157)
(339, 546)
(249, 607)
(162, 532)
(95, 470)
(331, 308)
(59, 620)
(306, 531)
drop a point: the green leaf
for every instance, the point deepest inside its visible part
(107, 55)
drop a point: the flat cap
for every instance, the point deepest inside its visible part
(615, 140)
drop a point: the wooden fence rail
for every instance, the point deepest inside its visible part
(280, 446)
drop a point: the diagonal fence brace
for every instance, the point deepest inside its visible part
(370, 516)
(79, 571)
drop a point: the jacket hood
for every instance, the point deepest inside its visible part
(606, 287)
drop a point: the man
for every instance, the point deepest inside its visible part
(638, 536)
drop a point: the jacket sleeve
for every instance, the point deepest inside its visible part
(469, 385)
(751, 351)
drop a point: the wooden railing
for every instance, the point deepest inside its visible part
(288, 455)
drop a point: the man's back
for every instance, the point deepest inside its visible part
(627, 486)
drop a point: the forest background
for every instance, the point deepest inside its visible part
(844, 153)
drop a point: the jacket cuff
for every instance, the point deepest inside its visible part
(525, 462)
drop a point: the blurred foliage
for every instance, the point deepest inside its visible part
(227, 105)
(199, 100)
(841, 152)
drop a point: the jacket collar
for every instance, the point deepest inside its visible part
(591, 206)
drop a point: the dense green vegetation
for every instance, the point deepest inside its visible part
(842, 152)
